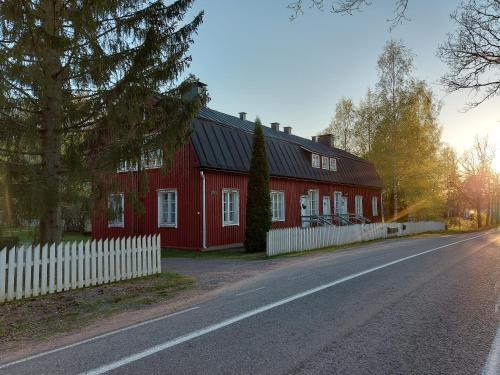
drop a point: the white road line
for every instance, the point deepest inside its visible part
(214, 327)
(96, 338)
(492, 366)
(250, 291)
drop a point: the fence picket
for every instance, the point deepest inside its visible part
(118, 257)
(67, 256)
(99, 262)
(129, 258)
(112, 260)
(36, 270)
(88, 280)
(81, 259)
(123, 259)
(44, 279)
(93, 262)
(140, 269)
(3, 265)
(106, 261)
(73, 263)
(10, 277)
(149, 254)
(144, 256)
(52, 268)
(134, 256)
(158, 253)
(19, 272)
(27, 271)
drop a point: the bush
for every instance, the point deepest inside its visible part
(8, 242)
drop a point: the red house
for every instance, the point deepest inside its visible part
(200, 203)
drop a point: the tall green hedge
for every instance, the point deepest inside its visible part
(258, 211)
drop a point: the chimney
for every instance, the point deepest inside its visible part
(314, 138)
(287, 129)
(275, 126)
(326, 139)
(243, 116)
(198, 89)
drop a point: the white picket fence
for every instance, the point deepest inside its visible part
(28, 271)
(289, 240)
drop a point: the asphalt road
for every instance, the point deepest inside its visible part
(428, 305)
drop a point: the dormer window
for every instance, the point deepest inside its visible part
(333, 164)
(315, 161)
(324, 162)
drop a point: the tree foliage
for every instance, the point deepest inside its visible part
(342, 124)
(258, 208)
(86, 85)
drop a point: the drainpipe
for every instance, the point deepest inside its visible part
(203, 211)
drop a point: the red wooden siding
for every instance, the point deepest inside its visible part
(216, 181)
(185, 178)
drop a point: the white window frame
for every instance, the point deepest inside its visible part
(282, 201)
(315, 161)
(333, 164)
(236, 209)
(127, 166)
(115, 223)
(313, 192)
(358, 209)
(324, 162)
(160, 194)
(374, 206)
(152, 159)
(337, 205)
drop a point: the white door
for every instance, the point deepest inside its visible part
(344, 206)
(304, 210)
(326, 206)
(359, 206)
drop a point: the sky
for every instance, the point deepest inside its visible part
(256, 60)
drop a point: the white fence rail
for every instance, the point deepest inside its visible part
(28, 271)
(290, 240)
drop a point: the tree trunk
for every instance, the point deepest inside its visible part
(51, 119)
(7, 195)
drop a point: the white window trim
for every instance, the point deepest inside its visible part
(325, 162)
(334, 167)
(284, 205)
(375, 206)
(159, 193)
(310, 200)
(318, 159)
(237, 210)
(337, 210)
(122, 223)
(356, 211)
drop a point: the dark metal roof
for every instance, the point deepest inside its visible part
(223, 141)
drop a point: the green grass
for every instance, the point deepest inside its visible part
(42, 317)
(216, 254)
(28, 235)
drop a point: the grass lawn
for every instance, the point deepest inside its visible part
(42, 317)
(216, 254)
(27, 235)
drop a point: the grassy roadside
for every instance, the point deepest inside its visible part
(28, 235)
(42, 317)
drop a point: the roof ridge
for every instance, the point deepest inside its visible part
(282, 135)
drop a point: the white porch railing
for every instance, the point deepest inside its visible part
(289, 240)
(28, 271)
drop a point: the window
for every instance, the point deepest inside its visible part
(167, 208)
(314, 202)
(333, 164)
(230, 207)
(324, 162)
(116, 208)
(127, 166)
(359, 206)
(278, 205)
(151, 159)
(374, 206)
(337, 202)
(315, 161)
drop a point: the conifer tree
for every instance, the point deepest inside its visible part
(82, 84)
(258, 208)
